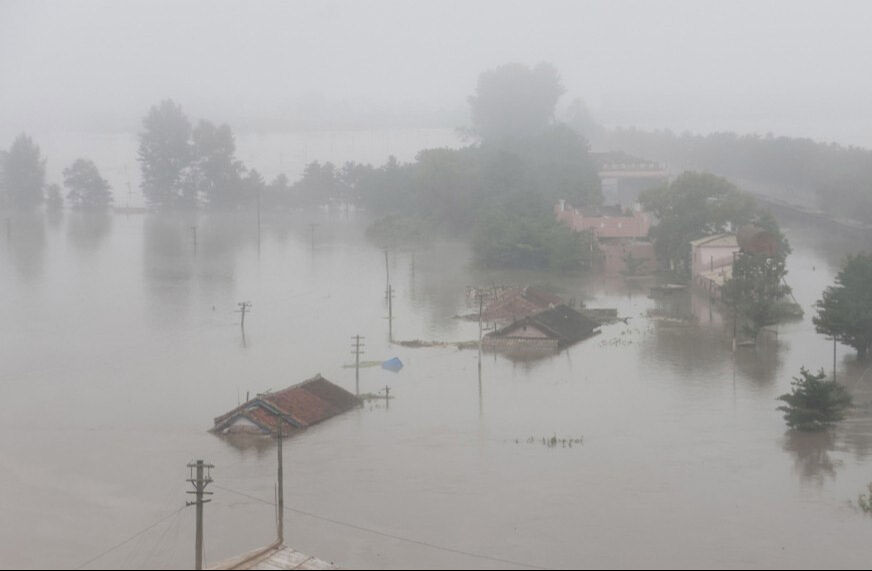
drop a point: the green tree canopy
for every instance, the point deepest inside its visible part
(756, 288)
(54, 199)
(215, 175)
(87, 190)
(693, 206)
(813, 402)
(165, 152)
(514, 101)
(845, 310)
(23, 174)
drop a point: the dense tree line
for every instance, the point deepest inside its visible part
(840, 176)
(499, 191)
(23, 181)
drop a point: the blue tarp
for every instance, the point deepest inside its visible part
(393, 365)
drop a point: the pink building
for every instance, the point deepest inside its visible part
(606, 222)
(619, 233)
(712, 261)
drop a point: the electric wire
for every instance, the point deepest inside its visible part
(129, 539)
(386, 534)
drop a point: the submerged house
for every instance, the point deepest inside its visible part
(712, 257)
(620, 233)
(289, 410)
(711, 262)
(517, 303)
(547, 330)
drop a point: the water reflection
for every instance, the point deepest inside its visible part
(25, 238)
(812, 458)
(87, 231)
(192, 259)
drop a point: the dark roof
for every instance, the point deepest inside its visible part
(562, 323)
(296, 407)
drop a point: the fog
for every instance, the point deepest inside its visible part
(519, 284)
(791, 68)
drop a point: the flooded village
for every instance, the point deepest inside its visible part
(247, 335)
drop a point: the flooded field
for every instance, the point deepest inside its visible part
(120, 343)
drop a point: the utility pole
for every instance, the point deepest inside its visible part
(480, 295)
(834, 357)
(199, 482)
(390, 314)
(259, 200)
(387, 274)
(243, 307)
(312, 232)
(387, 397)
(735, 305)
(281, 484)
(358, 351)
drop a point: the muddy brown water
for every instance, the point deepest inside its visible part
(119, 344)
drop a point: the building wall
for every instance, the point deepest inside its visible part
(516, 345)
(635, 225)
(708, 258)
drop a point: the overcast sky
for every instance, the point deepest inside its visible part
(797, 68)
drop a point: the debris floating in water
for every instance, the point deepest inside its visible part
(552, 441)
(393, 365)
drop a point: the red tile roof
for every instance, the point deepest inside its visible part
(296, 407)
(518, 303)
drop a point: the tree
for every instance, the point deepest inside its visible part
(845, 310)
(54, 199)
(277, 193)
(253, 188)
(514, 101)
(506, 238)
(579, 117)
(214, 175)
(814, 403)
(165, 152)
(87, 189)
(693, 206)
(756, 287)
(318, 185)
(23, 174)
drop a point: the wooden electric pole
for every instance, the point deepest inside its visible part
(199, 482)
(281, 485)
(312, 232)
(387, 397)
(259, 200)
(390, 314)
(387, 275)
(358, 351)
(244, 306)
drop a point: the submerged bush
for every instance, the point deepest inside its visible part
(814, 403)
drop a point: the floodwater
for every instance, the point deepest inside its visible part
(120, 342)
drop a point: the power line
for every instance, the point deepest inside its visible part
(131, 538)
(388, 535)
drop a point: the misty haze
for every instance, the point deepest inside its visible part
(418, 284)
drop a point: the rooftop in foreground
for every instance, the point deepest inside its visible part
(275, 557)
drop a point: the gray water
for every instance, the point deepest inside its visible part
(120, 342)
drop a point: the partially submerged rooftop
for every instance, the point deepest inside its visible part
(518, 303)
(289, 410)
(275, 557)
(553, 328)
